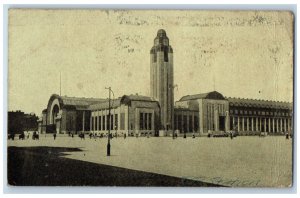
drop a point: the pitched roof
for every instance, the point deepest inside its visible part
(105, 104)
(74, 102)
(80, 101)
(259, 103)
(126, 99)
(210, 95)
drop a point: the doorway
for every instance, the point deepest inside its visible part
(221, 123)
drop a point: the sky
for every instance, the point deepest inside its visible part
(246, 54)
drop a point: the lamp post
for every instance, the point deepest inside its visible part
(172, 124)
(108, 139)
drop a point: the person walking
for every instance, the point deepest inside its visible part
(54, 136)
(287, 135)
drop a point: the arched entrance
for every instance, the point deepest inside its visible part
(54, 113)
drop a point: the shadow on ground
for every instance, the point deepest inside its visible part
(45, 166)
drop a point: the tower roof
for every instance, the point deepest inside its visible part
(161, 33)
(161, 43)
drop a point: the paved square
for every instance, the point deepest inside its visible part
(242, 162)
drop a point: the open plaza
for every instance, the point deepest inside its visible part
(245, 161)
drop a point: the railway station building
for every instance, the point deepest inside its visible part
(197, 114)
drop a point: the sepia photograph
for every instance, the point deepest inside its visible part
(150, 98)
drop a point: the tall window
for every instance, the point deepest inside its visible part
(112, 122)
(116, 121)
(180, 123)
(122, 121)
(190, 123)
(185, 123)
(196, 123)
(107, 122)
(141, 121)
(150, 121)
(99, 121)
(92, 123)
(145, 120)
(103, 122)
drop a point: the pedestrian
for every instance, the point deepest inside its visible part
(124, 135)
(54, 136)
(231, 135)
(72, 134)
(193, 134)
(287, 136)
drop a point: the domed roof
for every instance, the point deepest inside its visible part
(161, 32)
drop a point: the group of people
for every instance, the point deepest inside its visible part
(25, 135)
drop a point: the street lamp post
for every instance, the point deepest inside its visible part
(173, 130)
(108, 140)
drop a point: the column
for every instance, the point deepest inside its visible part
(265, 125)
(269, 125)
(91, 121)
(127, 127)
(193, 122)
(260, 120)
(188, 122)
(94, 121)
(273, 125)
(209, 117)
(284, 124)
(238, 122)
(289, 125)
(233, 122)
(182, 129)
(152, 121)
(145, 121)
(280, 124)
(277, 125)
(137, 120)
(119, 118)
(97, 120)
(227, 121)
(83, 120)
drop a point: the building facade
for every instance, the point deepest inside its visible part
(198, 114)
(213, 113)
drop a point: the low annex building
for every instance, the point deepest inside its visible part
(129, 114)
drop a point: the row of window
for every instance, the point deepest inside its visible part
(254, 124)
(105, 122)
(185, 123)
(145, 121)
(220, 107)
(259, 112)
